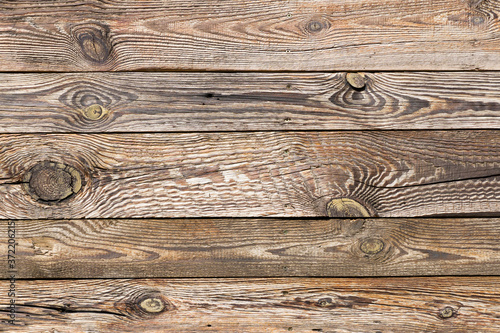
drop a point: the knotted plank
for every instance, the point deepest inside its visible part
(258, 35)
(194, 102)
(251, 248)
(254, 174)
(428, 304)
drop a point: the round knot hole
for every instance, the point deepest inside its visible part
(52, 182)
(372, 246)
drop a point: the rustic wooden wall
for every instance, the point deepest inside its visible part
(250, 166)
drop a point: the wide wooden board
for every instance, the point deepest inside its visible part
(430, 304)
(257, 35)
(255, 174)
(194, 102)
(252, 247)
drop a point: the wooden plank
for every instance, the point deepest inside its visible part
(166, 102)
(430, 304)
(94, 35)
(255, 174)
(252, 248)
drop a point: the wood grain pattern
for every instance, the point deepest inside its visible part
(446, 304)
(173, 102)
(253, 248)
(257, 174)
(93, 35)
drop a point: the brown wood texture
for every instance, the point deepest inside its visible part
(430, 304)
(193, 102)
(256, 174)
(253, 247)
(249, 35)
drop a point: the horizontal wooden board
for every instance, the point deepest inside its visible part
(446, 304)
(255, 174)
(94, 35)
(192, 102)
(252, 247)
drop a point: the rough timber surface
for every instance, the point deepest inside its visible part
(428, 304)
(255, 174)
(249, 35)
(55, 249)
(198, 102)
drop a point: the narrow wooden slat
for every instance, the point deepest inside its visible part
(248, 247)
(192, 102)
(256, 174)
(249, 35)
(447, 304)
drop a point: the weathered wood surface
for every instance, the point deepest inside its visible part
(431, 304)
(166, 102)
(253, 248)
(256, 174)
(249, 35)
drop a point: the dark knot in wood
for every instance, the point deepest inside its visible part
(325, 302)
(372, 246)
(345, 207)
(52, 182)
(477, 20)
(94, 42)
(316, 25)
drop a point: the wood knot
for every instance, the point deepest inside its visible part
(477, 20)
(325, 302)
(153, 304)
(345, 207)
(95, 112)
(316, 25)
(52, 182)
(356, 80)
(94, 42)
(372, 246)
(447, 312)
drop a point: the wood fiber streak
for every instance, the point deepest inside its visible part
(431, 304)
(166, 102)
(257, 174)
(249, 247)
(249, 35)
